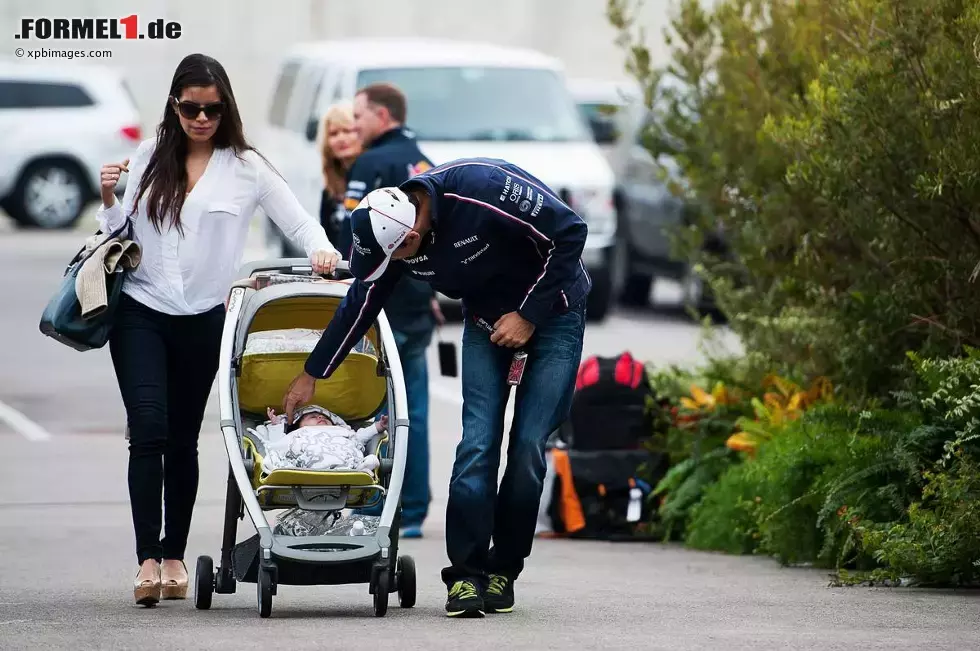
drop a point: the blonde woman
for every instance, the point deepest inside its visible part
(339, 147)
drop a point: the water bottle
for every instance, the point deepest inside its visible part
(634, 508)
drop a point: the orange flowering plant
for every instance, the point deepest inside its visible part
(783, 401)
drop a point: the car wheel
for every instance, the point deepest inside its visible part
(49, 195)
(636, 291)
(636, 287)
(620, 264)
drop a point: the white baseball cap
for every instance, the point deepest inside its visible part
(379, 225)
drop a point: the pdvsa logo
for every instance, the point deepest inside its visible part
(80, 29)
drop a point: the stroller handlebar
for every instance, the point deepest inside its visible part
(286, 266)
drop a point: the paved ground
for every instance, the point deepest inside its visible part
(67, 560)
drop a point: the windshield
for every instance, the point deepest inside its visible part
(455, 103)
(602, 118)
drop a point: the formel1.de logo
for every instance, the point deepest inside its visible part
(130, 27)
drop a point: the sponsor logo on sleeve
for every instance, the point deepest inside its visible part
(418, 168)
(537, 205)
(520, 194)
(506, 191)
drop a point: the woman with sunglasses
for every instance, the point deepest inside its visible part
(191, 195)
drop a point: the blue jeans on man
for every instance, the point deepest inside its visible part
(478, 512)
(416, 493)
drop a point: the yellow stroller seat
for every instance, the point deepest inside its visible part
(355, 392)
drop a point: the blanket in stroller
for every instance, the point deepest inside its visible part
(316, 447)
(295, 340)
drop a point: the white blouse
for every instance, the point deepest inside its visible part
(192, 273)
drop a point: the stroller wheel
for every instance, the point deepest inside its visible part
(382, 588)
(203, 582)
(264, 592)
(406, 581)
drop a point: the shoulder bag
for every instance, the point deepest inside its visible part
(62, 319)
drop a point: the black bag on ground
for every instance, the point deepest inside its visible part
(600, 453)
(609, 409)
(597, 494)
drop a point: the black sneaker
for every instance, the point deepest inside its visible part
(499, 597)
(464, 600)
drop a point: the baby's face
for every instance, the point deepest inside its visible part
(314, 420)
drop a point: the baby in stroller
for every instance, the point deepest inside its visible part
(317, 439)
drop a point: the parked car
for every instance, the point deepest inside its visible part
(647, 209)
(464, 100)
(59, 124)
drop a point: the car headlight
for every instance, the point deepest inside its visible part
(596, 207)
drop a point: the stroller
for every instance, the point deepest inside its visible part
(248, 384)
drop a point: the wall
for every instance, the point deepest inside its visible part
(249, 36)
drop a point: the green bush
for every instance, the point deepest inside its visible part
(683, 488)
(951, 389)
(695, 441)
(725, 518)
(836, 146)
(801, 500)
(836, 143)
(938, 544)
(939, 540)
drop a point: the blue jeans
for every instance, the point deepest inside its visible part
(416, 494)
(415, 490)
(477, 511)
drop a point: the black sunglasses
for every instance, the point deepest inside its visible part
(190, 110)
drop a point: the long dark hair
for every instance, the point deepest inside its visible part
(166, 173)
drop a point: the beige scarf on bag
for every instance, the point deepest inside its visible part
(111, 256)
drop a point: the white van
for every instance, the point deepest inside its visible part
(464, 100)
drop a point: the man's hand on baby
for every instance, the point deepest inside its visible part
(300, 393)
(382, 423)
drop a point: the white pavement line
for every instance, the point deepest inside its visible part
(22, 424)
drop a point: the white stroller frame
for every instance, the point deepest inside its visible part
(308, 560)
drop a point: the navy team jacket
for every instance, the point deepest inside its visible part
(501, 241)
